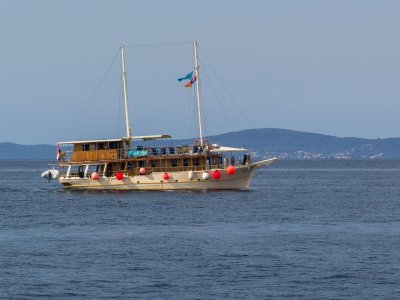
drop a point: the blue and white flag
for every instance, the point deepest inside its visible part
(188, 76)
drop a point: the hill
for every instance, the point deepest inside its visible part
(16, 151)
(267, 142)
(292, 144)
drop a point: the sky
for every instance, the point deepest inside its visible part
(329, 67)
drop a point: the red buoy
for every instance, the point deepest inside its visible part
(165, 176)
(142, 171)
(95, 176)
(231, 170)
(119, 176)
(216, 174)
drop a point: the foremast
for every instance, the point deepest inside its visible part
(127, 123)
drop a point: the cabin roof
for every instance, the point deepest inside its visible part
(92, 141)
(229, 149)
(151, 137)
(137, 137)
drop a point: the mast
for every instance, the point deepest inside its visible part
(127, 124)
(196, 69)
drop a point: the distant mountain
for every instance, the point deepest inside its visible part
(15, 151)
(267, 142)
(292, 144)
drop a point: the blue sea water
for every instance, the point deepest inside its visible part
(305, 230)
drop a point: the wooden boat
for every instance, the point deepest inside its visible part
(151, 163)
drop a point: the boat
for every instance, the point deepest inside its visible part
(151, 162)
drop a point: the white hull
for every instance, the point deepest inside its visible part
(177, 180)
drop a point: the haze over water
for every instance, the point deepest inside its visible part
(305, 230)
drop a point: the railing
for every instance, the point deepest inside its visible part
(114, 154)
(163, 151)
(149, 170)
(96, 155)
(86, 157)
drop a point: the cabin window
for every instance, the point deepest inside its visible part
(129, 165)
(76, 171)
(94, 168)
(174, 162)
(153, 163)
(185, 162)
(109, 170)
(142, 163)
(81, 172)
(113, 145)
(100, 169)
(101, 146)
(85, 147)
(216, 160)
(196, 161)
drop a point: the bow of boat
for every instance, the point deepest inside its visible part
(263, 163)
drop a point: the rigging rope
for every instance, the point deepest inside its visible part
(192, 129)
(157, 45)
(226, 90)
(218, 100)
(98, 87)
(90, 99)
(120, 113)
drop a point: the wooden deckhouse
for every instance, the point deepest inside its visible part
(108, 157)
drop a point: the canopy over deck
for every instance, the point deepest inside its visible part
(229, 149)
(138, 137)
(151, 137)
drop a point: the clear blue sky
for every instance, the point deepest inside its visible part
(331, 67)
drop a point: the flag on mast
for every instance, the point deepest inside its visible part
(58, 154)
(188, 76)
(193, 80)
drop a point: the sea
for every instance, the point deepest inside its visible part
(304, 230)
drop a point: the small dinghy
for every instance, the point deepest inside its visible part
(51, 174)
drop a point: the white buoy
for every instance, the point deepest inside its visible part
(190, 175)
(205, 176)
